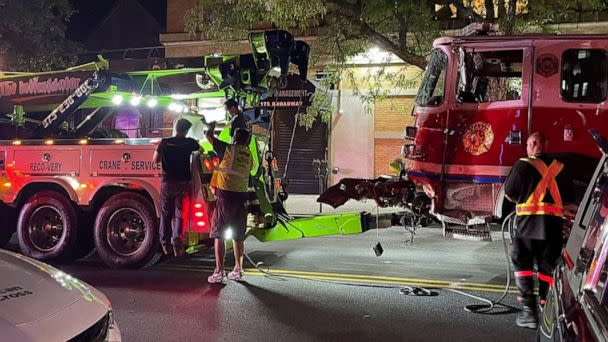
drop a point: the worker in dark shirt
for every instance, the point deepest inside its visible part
(175, 154)
(237, 118)
(539, 185)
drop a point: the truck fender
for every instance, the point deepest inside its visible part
(134, 184)
(63, 183)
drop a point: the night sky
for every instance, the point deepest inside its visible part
(91, 12)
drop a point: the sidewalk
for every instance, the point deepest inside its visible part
(308, 205)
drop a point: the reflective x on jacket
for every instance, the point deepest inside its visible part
(535, 204)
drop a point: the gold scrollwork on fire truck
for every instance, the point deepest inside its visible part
(478, 138)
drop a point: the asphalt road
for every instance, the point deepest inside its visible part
(343, 293)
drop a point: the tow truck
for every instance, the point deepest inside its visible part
(480, 98)
(68, 188)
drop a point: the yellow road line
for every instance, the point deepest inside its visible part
(361, 279)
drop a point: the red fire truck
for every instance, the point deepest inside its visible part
(481, 96)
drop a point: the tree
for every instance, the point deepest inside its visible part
(346, 28)
(32, 35)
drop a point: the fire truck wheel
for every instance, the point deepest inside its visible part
(47, 227)
(126, 231)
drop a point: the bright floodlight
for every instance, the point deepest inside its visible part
(117, 99)
(152, 102)
(174, 107)
(135, 100)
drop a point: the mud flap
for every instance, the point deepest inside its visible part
(338, 224)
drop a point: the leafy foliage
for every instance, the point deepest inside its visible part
(347, 28)
(32, 35)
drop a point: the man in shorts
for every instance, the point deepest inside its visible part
(230, 182)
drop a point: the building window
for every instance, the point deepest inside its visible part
(490, 76)
(584, 75)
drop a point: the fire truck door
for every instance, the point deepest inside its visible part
(487, 122)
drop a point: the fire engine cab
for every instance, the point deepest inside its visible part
(479, 100)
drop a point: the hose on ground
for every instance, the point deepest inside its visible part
(415, 290)
(489, 304)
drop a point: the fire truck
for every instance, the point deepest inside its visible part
(481, 96)
(67, 187)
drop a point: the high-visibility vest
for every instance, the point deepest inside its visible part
(233, 172)
(534, 205)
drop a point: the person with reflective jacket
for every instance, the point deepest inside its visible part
(539, 185)
(230, 182)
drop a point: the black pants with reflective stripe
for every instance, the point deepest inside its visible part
(525, 253)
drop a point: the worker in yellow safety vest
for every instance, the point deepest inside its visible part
(539, 185)
(230, 183)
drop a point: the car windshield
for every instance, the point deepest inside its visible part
(432, 86)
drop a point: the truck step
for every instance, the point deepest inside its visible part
(469, 233)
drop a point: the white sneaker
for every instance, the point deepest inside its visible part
(235, 275)
(216, 277)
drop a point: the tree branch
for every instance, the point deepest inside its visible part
(402, 29)
(385, 43)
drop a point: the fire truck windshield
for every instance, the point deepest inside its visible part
(433, 82)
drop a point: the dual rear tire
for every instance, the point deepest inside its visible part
(47, 227)
(124, 232)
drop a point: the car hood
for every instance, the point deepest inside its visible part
(31, 290)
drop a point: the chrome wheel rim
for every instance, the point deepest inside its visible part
(46, 228)
(126, 231)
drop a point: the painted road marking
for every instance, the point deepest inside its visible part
(357, 278)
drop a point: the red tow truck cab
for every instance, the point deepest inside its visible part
(480, 99)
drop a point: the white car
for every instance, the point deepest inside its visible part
(41, 303)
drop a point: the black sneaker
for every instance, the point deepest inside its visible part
(527, 318)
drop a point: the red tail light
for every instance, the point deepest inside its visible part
(200, 218)
(216, 161)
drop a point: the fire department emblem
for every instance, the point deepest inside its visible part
(546, 65)
(478, 138)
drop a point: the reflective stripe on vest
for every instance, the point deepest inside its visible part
(534, 205)
(228, 166)
(233, 172)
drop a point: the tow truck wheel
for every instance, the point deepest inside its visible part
(47, 226)
(7, 226)
(126, 231)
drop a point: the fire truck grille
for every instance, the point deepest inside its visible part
(471, 197)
